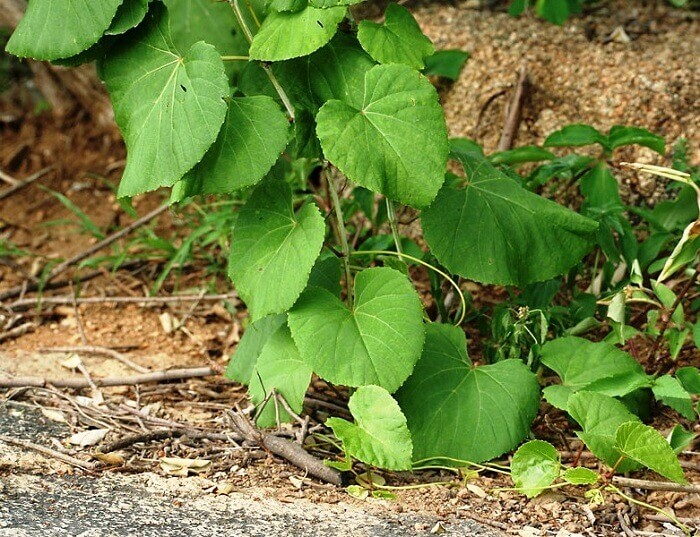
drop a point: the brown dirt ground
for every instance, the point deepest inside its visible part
(576, 76)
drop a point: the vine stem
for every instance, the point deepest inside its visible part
(391, 214)
(615, 490)
(462, 300)
(235, 58)
(249, 37)
(335, 200)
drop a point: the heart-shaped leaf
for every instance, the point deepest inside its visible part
(254, 134)
(670, 392)
(53, 29)
(580, 476)
(495, 231)
(398, 40)
(273, 249)
(168, 105)
(376, 342)
(464, 412)
(395, 142)
(645, 445)
(534, 467)
(288, 35)
(379, 435)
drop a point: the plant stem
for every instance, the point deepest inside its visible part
(252, 13)
(391, 214)
(683, 527)
(249, 37)
(335, 200)
(235, 58)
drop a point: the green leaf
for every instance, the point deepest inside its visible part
(526, 153)
(645, 445)
(464, 412)
(279, 367)
(290, 35)
(621, 136)
(288, 5)
(169, 106)
(240, 366)
(601, 191)
(534, 467)
(599, 416)
(326, 273)
(254, 134)
(679, 439)
(53, 29)
(398, 40)
(580, 476)
(377, 342)
(670, 392)
(376, 144)
(492, 230)
(273, 249)
(558, 396)
(379, 436)
(446, 63)
(575, 136)
(689, 378)
(668, 299)
(129, 15)
(325, 4)
(554, 11)
(596, 367)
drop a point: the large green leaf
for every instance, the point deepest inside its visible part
(279, 368)
(689, 377)
(376, 342)
(240, 366)
(129, 15)
(495, 231)
(645, 445)
(670, 392)
(395, 143)
(534, 467)
(464, 412)
(599, 416)
(168, 105)
(398, 40)
(273, 249)
(596, 367)
(288, 35)
(254, 134)
(53, 29)
(379, 435)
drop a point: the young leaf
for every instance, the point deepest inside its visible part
(396, 142)
(558, 395)
(445, 63)
(398, 40)
(379, 436)
(689, 378)
(534, 467)
(601, 191)
(456, 410)
(53, 29)
(129, 15)
(679, 439)
(620, 136)
(580, 476)
(645, 445)
(240, 366)
(599, 416)
(668, 299)
(376, 342)
(290, 35)
(273, 249)
(595, 367)
(492, 230)
(670, 392)
(279, 367)
(526, 153)
(254, 134)
(575, 136)
(168, 105)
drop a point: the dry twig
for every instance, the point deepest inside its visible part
(655, 485)
(47, 451)
(512, 122)
(101, 351)
(26, 182)
(61, 300)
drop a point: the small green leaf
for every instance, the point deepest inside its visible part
(290, 35)
(492, 230)
(599, 416)
(645, 445)
(526, 153)
(558, 395)
(446, 63)
(375, 144)
(325, 4)
(456, 410)
(398, 40)
(679, 439)
(129, 15)
(240, 366)
(254, 134)
(288, 5)
(580, 476)
(379, 436)
(377, 342)
(53, 29)
(601, 192)
(575, 136)
(668, 299)
(279, 368)
(534, 467)
(689, 378)
(670, 392)
(168, 105)
(273, 249)
(620, 136)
